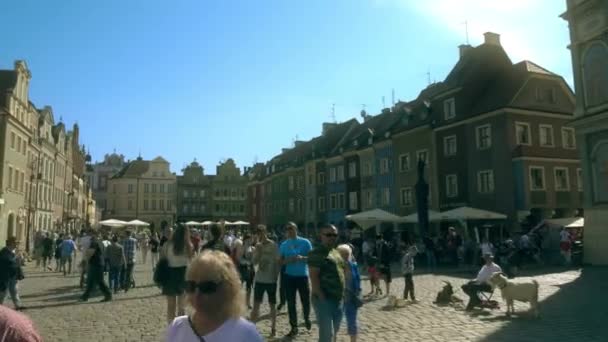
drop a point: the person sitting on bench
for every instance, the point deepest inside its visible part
(480, 284)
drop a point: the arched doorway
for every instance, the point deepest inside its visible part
(11, 225)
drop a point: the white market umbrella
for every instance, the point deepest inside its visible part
(207, 223)
(240, 223)
(569, 222)
(468, 213)
(227, 223)
(113, 223)
(434, 216)
(138, 223)
(193, 223)
(373, 217)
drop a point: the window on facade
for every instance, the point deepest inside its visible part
(579, 179)
(130, 188)
(523, 133)
(161, 188)
(321, 204)
(300, 206)
(449, 145)
(19, 144)
(145, 204)
(341, 201)
(423, 155)
(546, 135)
(568, 138)
(217, 207)
(405, 197)
(321, 178)
(130, 205)
(10, 177)
(485, 181)
(291, 205)
(369, 166)
(386, 196)
(537, 178)
(311, 179)
(146, 187)
(451, 186)
(13, 137)
(483, 136)
(153, 204)
(332, 174)
(562, 181)
(290, 182)
(161, 204)
(332, 202)
(384, 167)
(449, 109)
(352, 170)
(369, 198)
(353, 203)
(242, 208)
(404, 162)
(340, 173)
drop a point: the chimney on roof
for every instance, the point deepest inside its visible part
(491, 38)
(464, 49)
(386, 110)
(365, 116)
(327, 126)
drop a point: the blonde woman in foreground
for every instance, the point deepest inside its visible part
(214, 291)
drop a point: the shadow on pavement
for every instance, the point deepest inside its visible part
(51, 292)
(578, 311)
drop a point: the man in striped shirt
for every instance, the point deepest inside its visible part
(130, 247)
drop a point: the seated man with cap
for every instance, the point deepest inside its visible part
(480, 284)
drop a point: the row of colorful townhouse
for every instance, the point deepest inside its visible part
(494, 136)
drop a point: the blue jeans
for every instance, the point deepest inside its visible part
(329, 317)
(350, 312)
(114, 277)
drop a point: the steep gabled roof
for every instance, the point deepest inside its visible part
(133, 169)
(532, 67)
(477, 65)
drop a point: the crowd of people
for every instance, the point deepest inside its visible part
(224, 276)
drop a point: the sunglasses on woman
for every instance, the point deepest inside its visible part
(205, 287)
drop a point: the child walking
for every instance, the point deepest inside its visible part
(407, 267)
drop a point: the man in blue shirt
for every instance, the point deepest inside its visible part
(294, 255)
(68, 250)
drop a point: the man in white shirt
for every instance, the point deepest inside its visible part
(480, 284)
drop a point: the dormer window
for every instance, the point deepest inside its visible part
(449, 109)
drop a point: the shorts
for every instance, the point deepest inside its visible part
(247, 274)
(385, 270)
(564, 246)
(373, 272)
(270, 289)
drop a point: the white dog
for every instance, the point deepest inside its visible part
(512, 291)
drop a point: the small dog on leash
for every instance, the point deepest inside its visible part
(446, 295)
(523, 291)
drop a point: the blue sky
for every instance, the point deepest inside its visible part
(215, 79)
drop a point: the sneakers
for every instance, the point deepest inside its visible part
(106, 299)
(280, 307)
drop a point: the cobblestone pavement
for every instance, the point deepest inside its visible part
(572, 309)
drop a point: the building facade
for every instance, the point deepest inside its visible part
(98, 174)
(588, 23)
(194, 194)
(144, 190)
(229, 190)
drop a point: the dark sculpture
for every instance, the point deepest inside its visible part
(422, 200)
